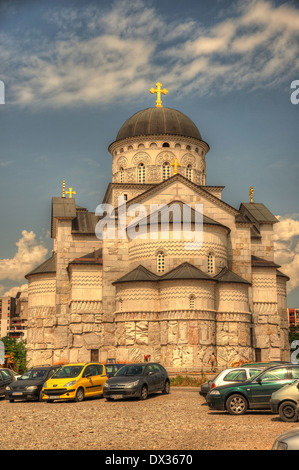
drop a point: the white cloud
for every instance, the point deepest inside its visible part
(101, 54)
(12, 292)
(286, 245)
(29, 255)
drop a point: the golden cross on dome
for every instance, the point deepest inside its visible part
(158, 91)
(251, 194)
(70, 192)
(175, 165)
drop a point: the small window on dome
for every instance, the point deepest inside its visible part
(141, 173)
(177, 146)
(166, 144)
(166, 171)
(141, 146)
(130, 147)
(153, 145)
(121, 175)
(189, 172)
(188, 147)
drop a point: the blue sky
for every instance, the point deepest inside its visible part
(74, 71)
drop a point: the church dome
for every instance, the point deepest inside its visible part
(157, 121)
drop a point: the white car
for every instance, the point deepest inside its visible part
(289, 440)
(228, 376)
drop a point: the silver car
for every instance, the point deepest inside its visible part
(284, 401)
(287, 441)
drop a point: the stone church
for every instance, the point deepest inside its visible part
(128, 297)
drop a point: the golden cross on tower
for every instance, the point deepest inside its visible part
(70, 192)
(175, 165)
(158, 91)
(63, 188)
(251, 194)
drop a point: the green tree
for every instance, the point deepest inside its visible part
(18, 350)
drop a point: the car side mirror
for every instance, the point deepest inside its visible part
(259, 380)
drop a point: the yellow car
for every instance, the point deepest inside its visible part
(75, 382)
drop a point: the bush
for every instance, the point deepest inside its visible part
(187, 381)
(18, 351)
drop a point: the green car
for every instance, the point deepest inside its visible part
(254, 394)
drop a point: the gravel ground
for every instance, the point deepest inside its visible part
(179, 421)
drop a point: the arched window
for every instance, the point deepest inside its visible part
(166, 144)
(166, 171)
(189, 172)
(141, 173)
(161, 262)
(211, 263)
(121, 175)
(191, 301)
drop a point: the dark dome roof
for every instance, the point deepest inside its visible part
(154, 121)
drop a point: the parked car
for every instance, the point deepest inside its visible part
(284, 402)
(265, 364)
(112, 368)
(7, 376)
(76, 382)
(253, 394)
(289, 440)
(227, 376)
(205, 388)
(29, 385)
(137, 380)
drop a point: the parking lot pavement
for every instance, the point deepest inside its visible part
(179, 421)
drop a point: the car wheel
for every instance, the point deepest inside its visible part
(236, 404)
(166, 388)
(40, 396)
(144, 393)
(11, 401)
(287, 411)
(79, 395)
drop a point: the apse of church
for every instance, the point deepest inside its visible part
(127, 297)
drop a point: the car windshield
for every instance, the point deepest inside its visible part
(34, 374)
(67, 372)
(111, 368)
(132, 369)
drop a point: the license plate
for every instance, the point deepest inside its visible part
(17, 393)
(116, 396)
(51, 397)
